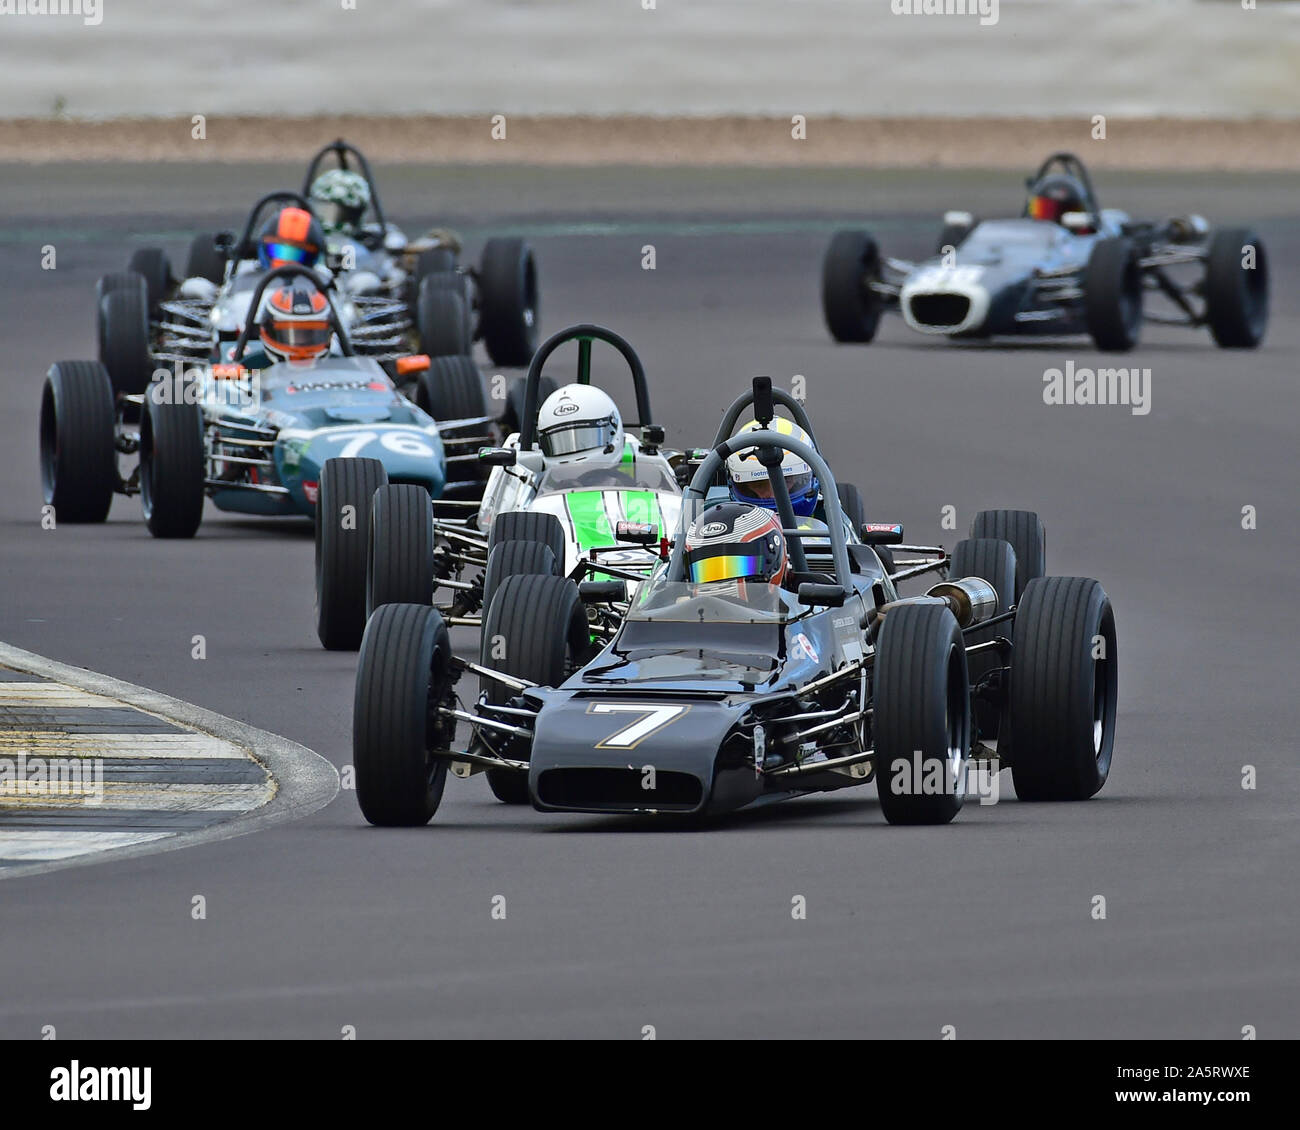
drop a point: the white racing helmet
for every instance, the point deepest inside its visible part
(579, 424)
(747, 477)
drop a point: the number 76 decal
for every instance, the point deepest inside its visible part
(654, 717)
(402, 443)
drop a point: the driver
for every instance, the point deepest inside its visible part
(340, 198)
(1051, 197)
(748, 480)
(580, 424)
(295, 325)
(292, 235)
(735, 542)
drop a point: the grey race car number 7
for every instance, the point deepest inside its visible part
(651, 718)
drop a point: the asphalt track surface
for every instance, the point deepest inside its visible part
(612, 924)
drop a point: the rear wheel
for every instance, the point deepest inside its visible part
(527, 525)
(512, 419)
(153, 264)
(852, 310)
(399, 562)
(1027, 537)
(452, 389)
(1064, 690)
(172, 462)
(78, 458)
(1112, 295)
(508, 298)
(204, 261)
(441, 320)
(403, 677)
(1236, 295)
(535, 628)
(922, 720)
(124, 338)
(347, 488)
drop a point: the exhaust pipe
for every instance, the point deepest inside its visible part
(972, 599)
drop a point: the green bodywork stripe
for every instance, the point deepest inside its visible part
(587, 513)
(591, 522)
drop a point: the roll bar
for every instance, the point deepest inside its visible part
(291, 271)
(774, 442)
(779, 396)
(584, 334)
(1072, 166)
(342, 150)
(245, 248)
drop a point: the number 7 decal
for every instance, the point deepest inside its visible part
(654, 717)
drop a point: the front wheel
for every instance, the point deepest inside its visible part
(1064, 690)
(851, 308)
(403, 678)
(440, 319)
(922, 720)
(347, 488)
(399, 564)
(172, 461)
(78, 457)
(1112, 295)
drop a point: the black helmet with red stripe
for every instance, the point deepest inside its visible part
(292, 235)
(296, 323)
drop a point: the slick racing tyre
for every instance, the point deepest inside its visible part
(527, 525)
(204, 261)
(347, 488)
(452, 389)
(403, 677)
(1027, 537)
(922, 720)
(516, 558)
(441, 319)
(153, 264)
(851, 308)
(535, 628)
(1063, 690)
(512, 419)
(508, 301)
(173, 464)
(124, 333)
(78, 455)
(399, 564)
(1112, 295)
(1236, 295)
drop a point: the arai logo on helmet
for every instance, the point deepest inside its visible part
(565, 408)
(713, 529)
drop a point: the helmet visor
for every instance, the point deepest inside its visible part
(279, 253)
(569, 439)
(336, 214)
(727, 567)
(296, 336)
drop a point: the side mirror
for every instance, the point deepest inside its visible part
(639, 533)
(497, 456)
(224, 241)
(881, 533)
(415, 363)
(602, 592)
(652, 434)
(822, 596)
